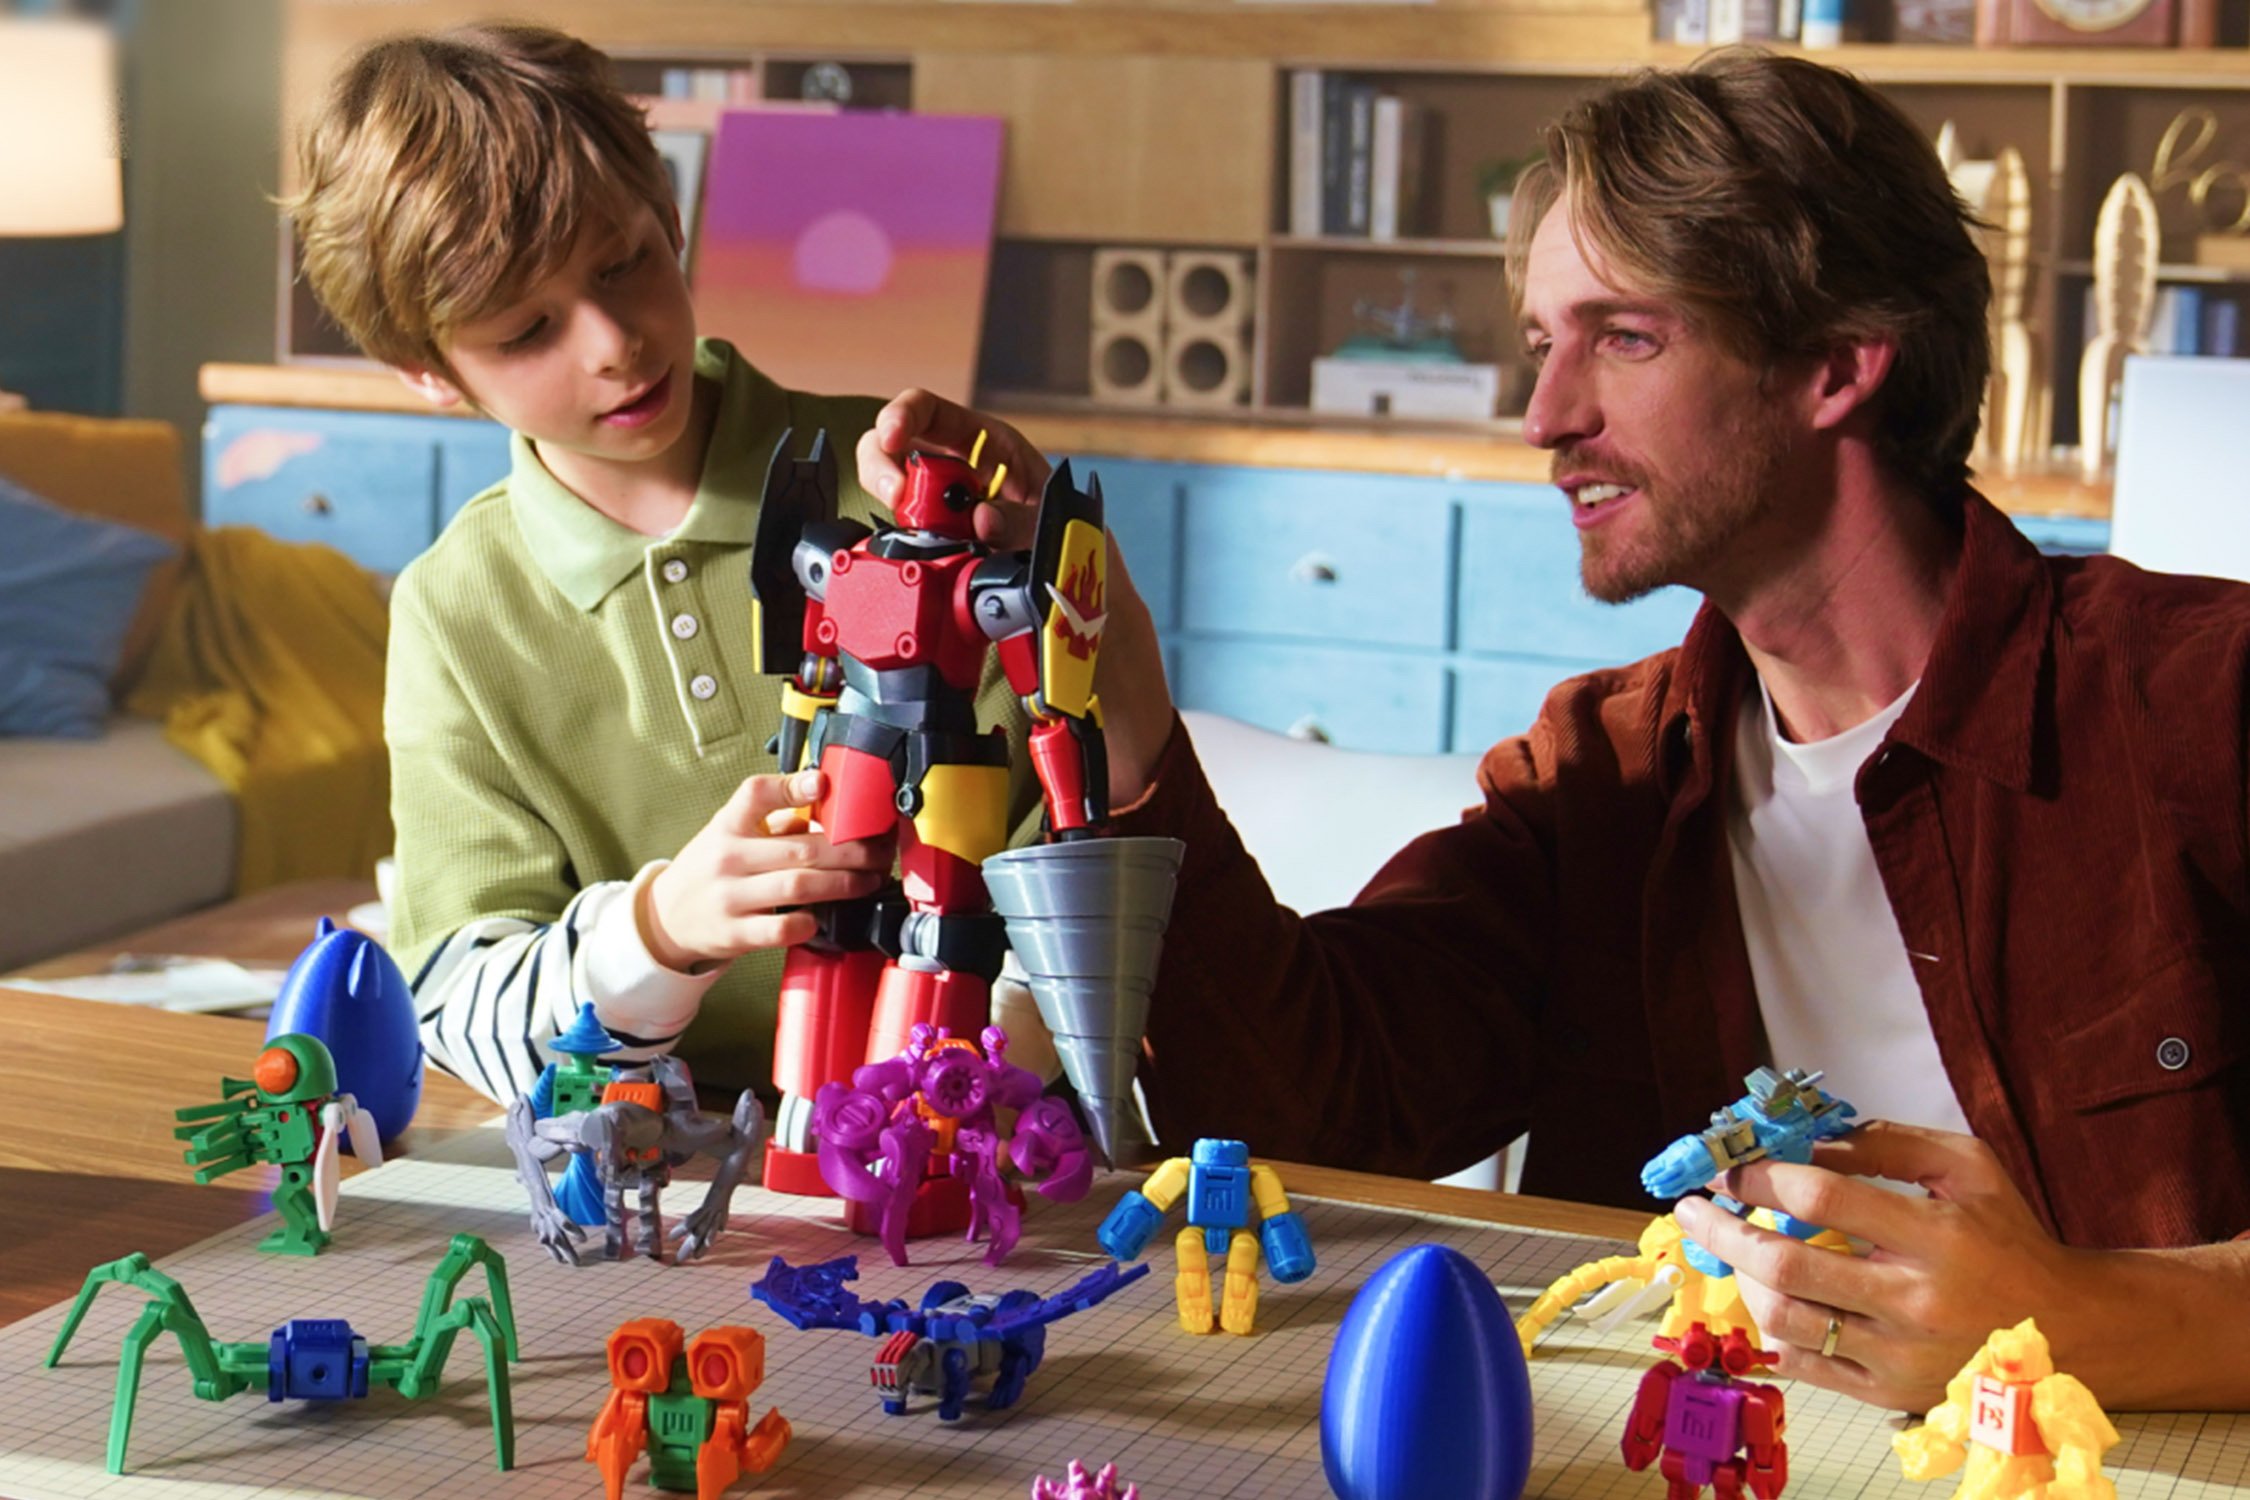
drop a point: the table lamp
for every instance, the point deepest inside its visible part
(59, 171)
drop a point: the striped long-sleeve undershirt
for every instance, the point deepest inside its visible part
(499, 989)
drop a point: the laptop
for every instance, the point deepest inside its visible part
(2182, 498)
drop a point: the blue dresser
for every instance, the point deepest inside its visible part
(1373, 611)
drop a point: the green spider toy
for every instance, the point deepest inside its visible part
(288, 1113)
(315, 1359)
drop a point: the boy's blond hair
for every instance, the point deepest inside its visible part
(446, 175)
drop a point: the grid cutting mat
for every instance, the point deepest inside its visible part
(1187, 1418)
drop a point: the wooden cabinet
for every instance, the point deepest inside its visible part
(1374, 611)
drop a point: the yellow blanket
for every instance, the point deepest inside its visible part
(270, 672)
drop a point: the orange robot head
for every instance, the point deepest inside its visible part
(641, 1354)
(727, 1364)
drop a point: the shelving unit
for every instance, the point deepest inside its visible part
(1162, 124)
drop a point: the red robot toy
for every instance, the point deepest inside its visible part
(883, 635)
(1709, 1426)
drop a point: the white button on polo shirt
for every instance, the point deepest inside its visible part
(703, 685)
(684, 626)
(675, 571)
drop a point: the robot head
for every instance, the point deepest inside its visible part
(726, 1364)
(942, 492)
(295, 1069)
(2021, 1353)
(1218, 1153)
(641, 1354)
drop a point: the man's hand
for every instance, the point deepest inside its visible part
(1946, 1270)
(1129, 674)
(717, 899)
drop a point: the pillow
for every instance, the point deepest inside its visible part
(68, 587)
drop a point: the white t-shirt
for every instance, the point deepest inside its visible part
(1835, 987)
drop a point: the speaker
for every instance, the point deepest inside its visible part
(1131, 290)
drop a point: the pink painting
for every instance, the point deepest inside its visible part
(847, 252)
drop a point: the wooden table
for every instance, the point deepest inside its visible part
(88, 1164)
(91, 1170)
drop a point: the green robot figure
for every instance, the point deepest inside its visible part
(314, 1359)
(288, 1113)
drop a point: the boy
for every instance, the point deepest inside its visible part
(573, 711)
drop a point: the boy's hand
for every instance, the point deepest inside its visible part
(717, 899)
(1129, 676)
(918, 419)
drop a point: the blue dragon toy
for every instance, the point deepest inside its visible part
(942, 1348)
(1779, 1119)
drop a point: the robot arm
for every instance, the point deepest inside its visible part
(1046, 611)
(798, 533)
(1288, 1248)
(2076, 1431)
(1124, 1234)
(1940, 1444)
(549, 1223)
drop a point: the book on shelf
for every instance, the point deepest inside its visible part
(1305, 102)
(713, 85)
(2188, 319)
(2222, 326)
(1396, 173)
(1684, 23)
(1335, 152)
(1360, 160)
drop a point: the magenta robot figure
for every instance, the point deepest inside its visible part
(915, 1146)
(1708, 1425)
(1077, 1484)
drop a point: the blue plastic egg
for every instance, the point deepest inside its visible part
(345, 990)
(1427, 1394)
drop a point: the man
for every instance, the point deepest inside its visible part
(1963, 825)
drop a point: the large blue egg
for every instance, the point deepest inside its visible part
(345, 990)
(1426, 1393)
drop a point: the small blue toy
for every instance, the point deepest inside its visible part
(1426, 1392)
(345, 990)
(1779, 1119)
(1225, 1196)
(941, 1348)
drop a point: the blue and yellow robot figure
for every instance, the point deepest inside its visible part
(1225, 1196)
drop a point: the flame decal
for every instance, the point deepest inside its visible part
(1080, 598)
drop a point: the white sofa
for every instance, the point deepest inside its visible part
(1321, 821)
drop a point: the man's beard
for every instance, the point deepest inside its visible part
(1687, 525)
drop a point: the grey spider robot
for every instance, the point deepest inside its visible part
(623, 1128)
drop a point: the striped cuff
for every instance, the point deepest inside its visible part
(634, 995)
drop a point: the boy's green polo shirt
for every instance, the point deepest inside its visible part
(569, 699)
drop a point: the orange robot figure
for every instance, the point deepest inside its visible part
(687, 1404)
(883, 636)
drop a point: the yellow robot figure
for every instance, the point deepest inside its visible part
(1225, 1196)
(2024, 1428)
(1664, 1261)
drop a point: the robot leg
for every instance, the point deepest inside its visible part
(1238, 1311)
(1192, 1283)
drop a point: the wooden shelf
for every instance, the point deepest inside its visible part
(2171, 271)
(1060, 425)
(1354, 245)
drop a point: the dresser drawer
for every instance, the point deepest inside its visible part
(1361, 700)
(1141, 505)
(1497, 700)
(470, 462)
(1365, 559)
(1520, 590)
(365, 486)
